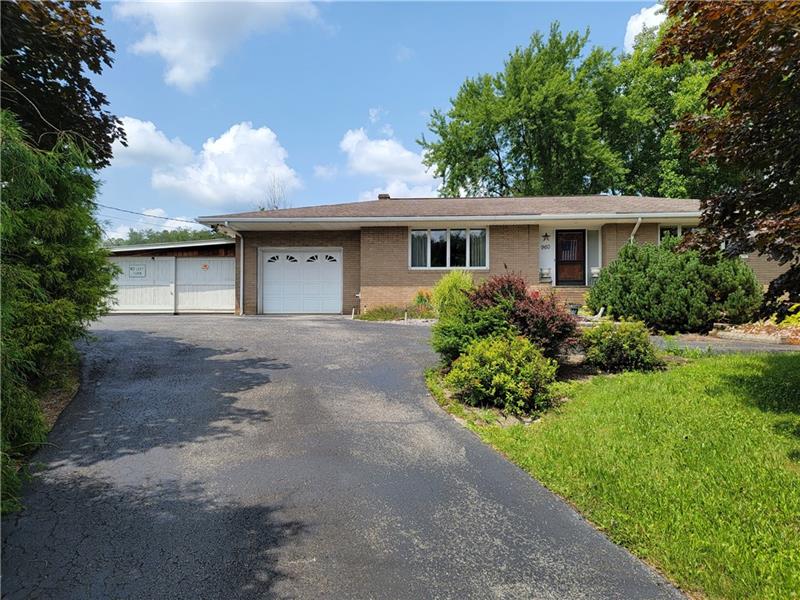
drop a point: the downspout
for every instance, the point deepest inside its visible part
(241, 267)
(635, 229)
(241, 276)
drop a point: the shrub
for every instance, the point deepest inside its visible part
(792, 317)
(503, 371)
(451, 335)
(55, 281)
(675, 291)
(499, 289)
(423, 298)
(450, 294)
(618, 347)
(546, 322)
(397, 313)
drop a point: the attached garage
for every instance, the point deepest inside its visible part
(183, 277)
(300, 280)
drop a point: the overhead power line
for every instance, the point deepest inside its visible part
(133, 212)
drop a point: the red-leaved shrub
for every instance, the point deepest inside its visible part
(499, 289)
(541, 318)
(545, 321)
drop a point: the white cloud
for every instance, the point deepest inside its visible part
(236, 167)
(325, 171)
(149, 146)
(375, 114)
(193, 37)
(387, 130)
(119, 226)
(403, 53)
(649, 17)
(400, 168)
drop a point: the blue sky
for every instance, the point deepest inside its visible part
(225, 101)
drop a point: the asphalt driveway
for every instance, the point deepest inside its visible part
(224, 457)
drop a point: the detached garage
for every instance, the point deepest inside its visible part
(181, 277)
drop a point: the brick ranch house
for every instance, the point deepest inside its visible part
(344, 257)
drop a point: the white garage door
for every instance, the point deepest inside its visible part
(205, 284)
(145, 284)
(301, 281)
(168, 284)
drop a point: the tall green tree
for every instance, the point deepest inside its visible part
(561, 120)
(50, 50)
(751, 124)
(150, 236)
(535, 128)
(55, 278)
(649, 99)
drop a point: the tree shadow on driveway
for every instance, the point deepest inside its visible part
(123, 505)
(140, 392)
(84, 538)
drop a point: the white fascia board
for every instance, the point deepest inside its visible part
(534, 218)
(169, 245)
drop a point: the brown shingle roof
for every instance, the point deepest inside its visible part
(476, 207)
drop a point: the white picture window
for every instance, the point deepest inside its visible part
(448, 248)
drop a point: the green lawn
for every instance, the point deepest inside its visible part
(695, 469)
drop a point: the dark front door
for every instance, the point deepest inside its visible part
(571, 257)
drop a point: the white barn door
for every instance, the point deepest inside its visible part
(206, 284)
(301, 281)
(146, 284)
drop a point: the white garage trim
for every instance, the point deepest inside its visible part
(261, 282)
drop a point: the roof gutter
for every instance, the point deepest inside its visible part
(479, 218)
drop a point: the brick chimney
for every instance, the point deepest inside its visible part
(384, 196)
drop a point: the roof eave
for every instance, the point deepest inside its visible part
(169, 245)
(229, 221)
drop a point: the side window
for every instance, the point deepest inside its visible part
(668, 230)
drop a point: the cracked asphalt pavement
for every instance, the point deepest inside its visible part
(224, 457)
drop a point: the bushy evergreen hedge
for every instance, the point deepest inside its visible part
(623, 346)
(506, 371)
(673, 290)
(55, 279)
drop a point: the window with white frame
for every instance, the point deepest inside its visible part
(448, 248)
(674, 231)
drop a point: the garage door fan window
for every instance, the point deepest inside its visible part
(448, 248)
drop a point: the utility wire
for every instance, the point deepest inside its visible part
(133, 212)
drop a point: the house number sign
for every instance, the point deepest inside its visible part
(137, 271)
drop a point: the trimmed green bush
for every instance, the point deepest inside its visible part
(675, 291)
(451, 335)
(450, 294)
(624, 346)
(507, 372)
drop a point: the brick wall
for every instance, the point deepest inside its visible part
(382, 275)
(766, 270)
(348, 241)
(387, 279)
(614, 236)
